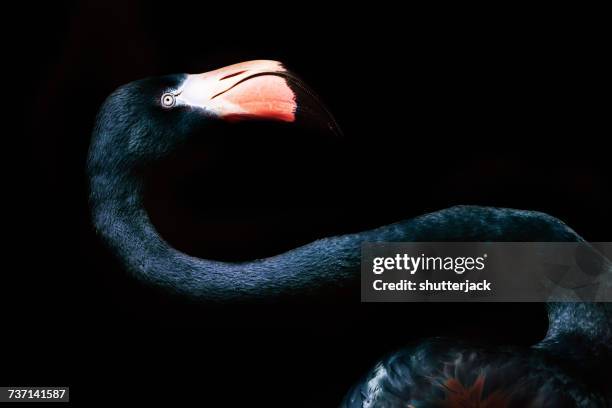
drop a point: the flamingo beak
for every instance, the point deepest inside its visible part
(248, 90)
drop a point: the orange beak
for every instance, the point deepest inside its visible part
(248, 90)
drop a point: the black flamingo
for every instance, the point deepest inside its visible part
(144, 121)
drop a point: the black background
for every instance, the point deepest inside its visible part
(439, 107)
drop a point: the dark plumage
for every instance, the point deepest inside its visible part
(444, 373)
(133, 131)
(570, 367)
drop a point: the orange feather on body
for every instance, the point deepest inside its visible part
(457, 395)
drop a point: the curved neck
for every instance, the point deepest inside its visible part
(580, 331)
(120, 218)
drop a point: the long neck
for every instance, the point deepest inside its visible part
(119, 216)
(584, 330)
(121, 220)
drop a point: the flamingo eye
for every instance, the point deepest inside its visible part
(168, 100)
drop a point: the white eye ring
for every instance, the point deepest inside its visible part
(168, 100)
